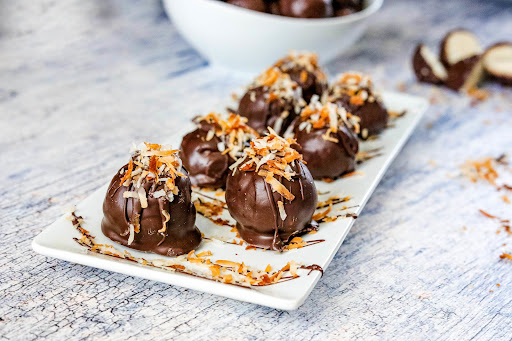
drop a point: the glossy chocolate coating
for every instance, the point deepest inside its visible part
(373, 115)
(255, 5)
(262, 114)
(327, 159)
(306, 8)
(253, 204)
(206, 165)
(181, 235)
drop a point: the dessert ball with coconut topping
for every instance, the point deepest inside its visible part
(271, 193)
(354, 92)
(273, 100)
(303, 68)
(327, 140)
(208, 151)
(148, 205)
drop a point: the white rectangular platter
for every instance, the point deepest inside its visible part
(57, 239)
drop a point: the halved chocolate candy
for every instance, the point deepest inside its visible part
(497, 61)
(427, 66)
(465, 74)
(459, 45)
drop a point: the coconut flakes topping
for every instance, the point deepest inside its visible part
(317, 116)
(305, 60)
(270, 156)
(278, 84)
(233, 132)
(357, 85)
(152, 162)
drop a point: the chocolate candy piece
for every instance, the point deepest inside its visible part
(465, 74)
(255, 5)
(354, 92)
(273, 100)
(149, 216)
(497, 61)
(427, 67)
(329, 152)
(268, 208)
(203, 151)
(458, 45)
(206, 165)
(263, 112)
(306, 8)
(346, 7)
(303, 68)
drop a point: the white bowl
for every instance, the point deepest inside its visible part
(247, 40)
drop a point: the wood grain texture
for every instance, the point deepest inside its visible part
(81, 80)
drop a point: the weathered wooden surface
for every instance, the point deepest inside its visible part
(81, 80)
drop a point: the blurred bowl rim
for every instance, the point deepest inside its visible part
(374, 6)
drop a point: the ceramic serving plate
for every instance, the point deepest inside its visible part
(57, 240)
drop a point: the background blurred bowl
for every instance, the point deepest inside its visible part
(247, 40)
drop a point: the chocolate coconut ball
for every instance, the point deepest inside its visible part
(273, 199)
(255, 5)
(148, 206)
(306, 8)
(328, 143)
(303, 69)
(354, 92)
(208, 151)
(273, 100)
(346, 7)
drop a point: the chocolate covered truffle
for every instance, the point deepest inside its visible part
(271, 193)
(459, 45)
(427, 66)
(273, 100)
(327, 140)
(255, 5)
(497, 61)
(346, 7)
(208, 151)
(306, 8)
(354, 92)
(465, 74)
(303, 68)
(148, 206)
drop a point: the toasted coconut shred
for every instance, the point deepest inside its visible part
(318, 116)
(307, 61)
(233, 132)
(198, 265)
(484, 169)
(151, 162)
